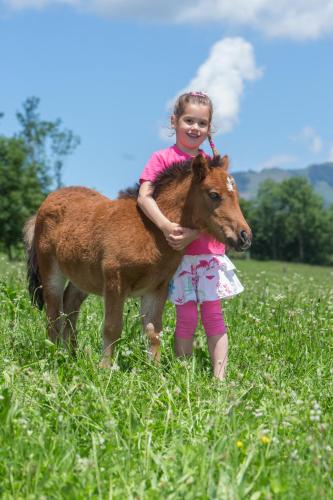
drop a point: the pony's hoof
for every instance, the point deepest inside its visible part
(105, 363)
(155, 356)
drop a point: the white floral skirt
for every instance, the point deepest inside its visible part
(204, 278)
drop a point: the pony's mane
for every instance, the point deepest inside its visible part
(177, 171)
(130, 192)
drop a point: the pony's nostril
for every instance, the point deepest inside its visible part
(243, 236)
(245, 240)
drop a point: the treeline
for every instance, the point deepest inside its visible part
(290, 222)
(31, 165)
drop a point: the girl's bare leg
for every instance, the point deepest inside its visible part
(218, 350)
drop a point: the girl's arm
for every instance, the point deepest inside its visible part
(178, 237)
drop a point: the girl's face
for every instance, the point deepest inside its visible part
(192, 127)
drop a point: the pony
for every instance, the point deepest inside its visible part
(81, 242)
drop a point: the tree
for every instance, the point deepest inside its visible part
(47, 143)
(266, 219)
(330, 234)
(305, 229)
(20, 192)
(30, 165)
(290, 222)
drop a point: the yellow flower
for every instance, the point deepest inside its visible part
(239, 444)
(265, 439)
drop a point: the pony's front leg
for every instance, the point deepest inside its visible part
(113, 324)
(152, 305)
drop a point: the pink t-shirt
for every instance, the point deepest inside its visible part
(160, 161)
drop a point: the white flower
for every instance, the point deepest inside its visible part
(258, 413)
(315, 418)
(82, 463)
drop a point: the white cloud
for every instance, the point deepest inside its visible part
(311, 138)
(37, 4)
(296, 19)
(230, 63)
(277, 161)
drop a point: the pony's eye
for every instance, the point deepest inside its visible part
(214, 196)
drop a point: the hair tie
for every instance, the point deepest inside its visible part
(198, 94)
(212, 145)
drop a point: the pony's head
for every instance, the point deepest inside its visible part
(217, 209)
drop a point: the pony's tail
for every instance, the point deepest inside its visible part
(34, 282)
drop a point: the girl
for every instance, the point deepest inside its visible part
(205, 274)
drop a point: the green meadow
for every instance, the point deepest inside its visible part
(71, 430)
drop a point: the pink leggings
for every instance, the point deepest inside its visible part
(211, 317)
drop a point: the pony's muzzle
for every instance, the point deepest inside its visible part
(239, 239)
(244, 240)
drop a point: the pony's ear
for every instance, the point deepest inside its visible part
(199, 167)
(224, 163)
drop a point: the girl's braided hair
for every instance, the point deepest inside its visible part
(196, 98)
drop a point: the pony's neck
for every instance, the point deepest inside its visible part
(176, 202)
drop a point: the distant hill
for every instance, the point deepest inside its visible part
(320, 176)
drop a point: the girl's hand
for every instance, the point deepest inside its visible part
(172, 231)
(185, 238)
(179, 237)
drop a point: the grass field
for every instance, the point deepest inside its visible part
(71, 430)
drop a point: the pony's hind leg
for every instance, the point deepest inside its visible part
(73, 298)
(53, 282)
(152, 305)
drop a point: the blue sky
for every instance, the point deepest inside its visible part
(109, 69)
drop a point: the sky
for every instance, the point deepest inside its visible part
(110, 70)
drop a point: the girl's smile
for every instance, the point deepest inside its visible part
(192, 127)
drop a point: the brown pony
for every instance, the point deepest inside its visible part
(110, 248)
